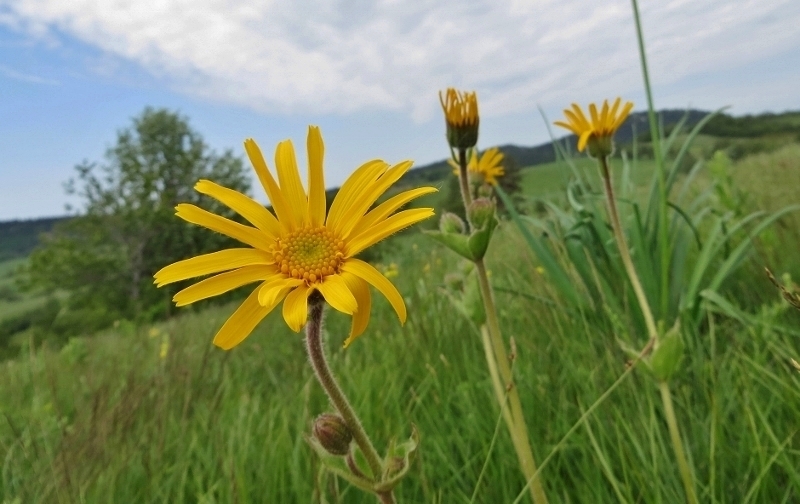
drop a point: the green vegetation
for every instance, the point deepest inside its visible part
(142, 412)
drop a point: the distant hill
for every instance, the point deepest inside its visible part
(19, 237)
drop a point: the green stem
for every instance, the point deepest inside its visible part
(677, 443)
(514, 419)
(624, 252)
(317, 357)
(662, 184)
(463, 179)
(666, 396)
(517, 427)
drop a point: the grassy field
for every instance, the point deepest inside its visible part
(157, 414)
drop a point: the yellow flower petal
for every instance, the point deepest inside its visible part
(623, 115)
(389, 206)
(360, 290)
(214, 262)
(289, 178)
(223, 283)
(374, 277)
(334, 289)
(276, 288)
(276, 198)
(248, 208)
(245, 234)
(387, 227)
(350, 191)
(370, 195)
(583, 140)
(295, 307)
(604, 114)
(242, 322)
(316, 178)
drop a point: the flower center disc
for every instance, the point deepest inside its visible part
(309, 254)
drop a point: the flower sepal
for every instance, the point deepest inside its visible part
(482, 216)
(398, 461)
(667, 354)
(451, 235)
(338, 466)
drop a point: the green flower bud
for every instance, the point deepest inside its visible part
(481, 212)
(451, 223)
(333, 433)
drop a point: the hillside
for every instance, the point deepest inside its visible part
(742, 134)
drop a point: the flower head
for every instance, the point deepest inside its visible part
(461, 116)
(299, 249)
(598, 133)
(489, 165)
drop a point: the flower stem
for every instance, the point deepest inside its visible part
(677, 443)
(666, 395)
(501, 368)
(516, 421)
(463, 178)
(624, 252)
(317, 357)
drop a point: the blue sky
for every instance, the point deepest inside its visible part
(73, 73)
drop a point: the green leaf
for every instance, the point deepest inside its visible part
(456, 242)
(667, 355)
(479, 240)
(337, 465)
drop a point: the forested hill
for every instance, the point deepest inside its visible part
(19, 237)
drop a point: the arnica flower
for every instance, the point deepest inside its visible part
(597, 134)
(461, 116)
(489, 165)
(299, 249)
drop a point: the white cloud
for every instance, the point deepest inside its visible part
(26, 77)
(337, 56)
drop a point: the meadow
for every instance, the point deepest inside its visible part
(155, 413)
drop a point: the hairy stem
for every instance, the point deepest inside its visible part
(317, 357)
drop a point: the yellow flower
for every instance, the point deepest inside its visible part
(489, 165)
(599, 132)
(298, 250)
(461, 116)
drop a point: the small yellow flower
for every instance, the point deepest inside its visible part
(392, 271)
(164, 350)
(299, 249)
(461, 116)
(489, 165)
(598, 133)
(153, 332)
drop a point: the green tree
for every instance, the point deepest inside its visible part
(126, 230)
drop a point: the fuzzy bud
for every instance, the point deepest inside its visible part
(451, 223)
(480, 212)
(485, 190)
(333, 433)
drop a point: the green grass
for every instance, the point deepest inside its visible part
(106, 419)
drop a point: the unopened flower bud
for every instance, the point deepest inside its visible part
(451, 223)
(480, 212)
(461, 116)
(485, 190)
(333, 433)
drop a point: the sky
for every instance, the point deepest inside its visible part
(73, 73)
